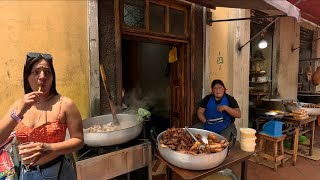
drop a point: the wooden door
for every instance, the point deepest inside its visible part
(177, 85)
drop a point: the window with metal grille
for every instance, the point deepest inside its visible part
(133, 12)
(154, 17)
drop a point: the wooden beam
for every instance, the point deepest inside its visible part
(206, 3)
(147, 16)
(151, 38)
(167, 20)
(118, 52)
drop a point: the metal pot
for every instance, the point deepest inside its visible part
(299, 105)
(192, 162)
(311, 111)
(273, 104)
(290, 107)
(130, 128)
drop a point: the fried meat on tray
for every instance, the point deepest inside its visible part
(178, 139)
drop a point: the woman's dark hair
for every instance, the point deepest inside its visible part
(32, 59)
(217, 81)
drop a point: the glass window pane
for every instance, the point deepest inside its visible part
(157, 18)
(134, 13)
(177, 24)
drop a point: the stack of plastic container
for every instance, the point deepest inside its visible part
(247, 139)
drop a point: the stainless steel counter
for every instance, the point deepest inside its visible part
(115, 163)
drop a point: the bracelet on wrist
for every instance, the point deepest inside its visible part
(15, 117)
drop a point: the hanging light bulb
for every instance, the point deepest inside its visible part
(263, 44)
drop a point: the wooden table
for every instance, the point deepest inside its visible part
(297, 129)
(297, 126)
(235, 156)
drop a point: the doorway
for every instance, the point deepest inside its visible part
(186, 74)
(146, 80)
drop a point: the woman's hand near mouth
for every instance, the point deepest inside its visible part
(26, 102)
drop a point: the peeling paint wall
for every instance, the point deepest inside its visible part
(223, 59)
(55, 27)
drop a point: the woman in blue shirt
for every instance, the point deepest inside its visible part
(218, 110)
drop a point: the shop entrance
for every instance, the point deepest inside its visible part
(150, 81)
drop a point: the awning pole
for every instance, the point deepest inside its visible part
(264, 29)
(312, 59)
(258, 33)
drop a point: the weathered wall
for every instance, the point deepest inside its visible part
(286, 62)
(223, 40)
(56, 27)
(217, 46)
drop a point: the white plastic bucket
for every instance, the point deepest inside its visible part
(248, 140)
(247, 133)
(248, 147)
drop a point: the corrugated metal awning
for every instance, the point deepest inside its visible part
(280, 5)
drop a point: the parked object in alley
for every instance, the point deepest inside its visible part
(130, 127)
(194, 162)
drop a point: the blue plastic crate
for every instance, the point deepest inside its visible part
(272, 128)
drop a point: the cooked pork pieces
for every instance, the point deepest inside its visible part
(179, 140)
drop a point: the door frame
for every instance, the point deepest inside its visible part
(94, 54)
(189, 41)
(185, 86)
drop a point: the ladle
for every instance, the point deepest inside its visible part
(194, 138)
(111, 104)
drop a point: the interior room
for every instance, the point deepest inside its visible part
(146, 80)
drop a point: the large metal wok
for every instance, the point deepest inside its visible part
(311, 111)
(193, 162)
(299, 105)
(130, 128)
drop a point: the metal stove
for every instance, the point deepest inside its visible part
(112, 161)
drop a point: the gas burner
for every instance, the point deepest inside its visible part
(89, 152)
